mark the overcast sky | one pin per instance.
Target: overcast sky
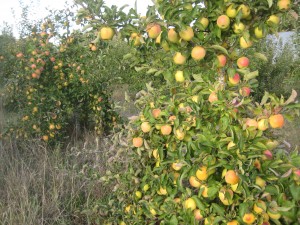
(10, 10)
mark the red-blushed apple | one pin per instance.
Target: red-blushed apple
(156, 113)
(243, 62)
(198, 53)
(223, 22)
(251, 123)
(221, 60)
(235, 79)
(245, 91)
(276, 121)
(153, 30)
(213, 97)
(268, 154)
(284, 4)
(166, 129)
(137, 142)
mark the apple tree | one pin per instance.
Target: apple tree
(201, 151)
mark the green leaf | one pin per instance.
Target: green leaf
(220, 48)
(295, 191)
(173, 220)
(251, 75)
(270, 2)
(218, 209)
(261, 56)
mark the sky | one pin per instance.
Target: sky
(10, 10)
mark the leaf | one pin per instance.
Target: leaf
(270, 2)
(292, 98)
(218, 209)
(198, 77)
(220, 48)
(152, 70)
(127, 97)
(265, 98)
(295, 191)
(261, 56)
(251, 75)
(287, 174)
(173, 220)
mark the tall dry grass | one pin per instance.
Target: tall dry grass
(50, 186)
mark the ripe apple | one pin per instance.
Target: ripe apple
(238, 28)
(197, 214)
(198, 53)
(162, 191)
(245, 10)
(179, 77)
(268, 154)
(153, 212)
(138, 194)
(106, 33)
(156, 113)
(93, 48)
(173, 36)
(166, 129)
(194, 182)
(205, 191)
(235, 79)
(273, 214)
(223, 22)
(243, 62)
(204, 22)
(137, 142)
(260, 207)
(201, 173)
(155, 153)
(276, 121)
(153, 30)
(177, 166)
(146, 127)
(245, 44)
(213, 97)
(249, 218)
(45, 138)
(283, 4)
(231, 177)
(231, 11)
(190, 204)
(180, 134)
(251, 123)
(187, 34)
(245, 91)
(232, 222)
(273, 19)
(221, 60)
(225, 196)
(263, 124)
(259, 33)
(179, 59)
